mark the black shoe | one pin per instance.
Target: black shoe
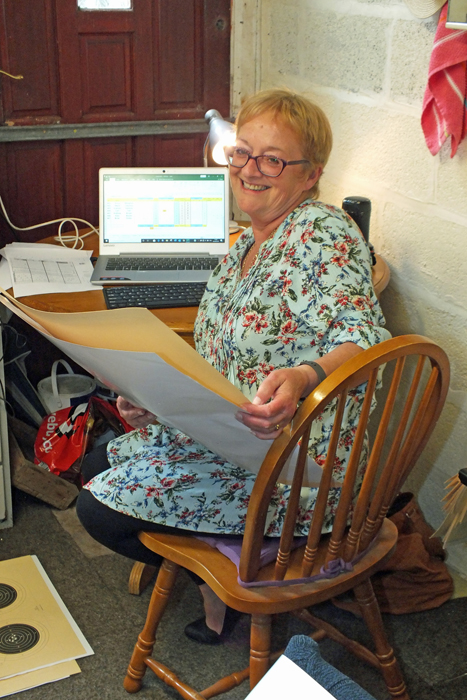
(198, 630)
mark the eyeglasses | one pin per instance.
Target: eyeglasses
(271, 166)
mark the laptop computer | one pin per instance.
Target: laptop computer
(161, 224)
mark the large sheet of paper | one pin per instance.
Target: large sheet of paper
(139, 357)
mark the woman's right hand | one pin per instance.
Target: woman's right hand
(134, 415)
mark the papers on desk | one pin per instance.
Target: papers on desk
(46, 268)
(5, 274)
(154, 368)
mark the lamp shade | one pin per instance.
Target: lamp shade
(221, 134)
(424, 8)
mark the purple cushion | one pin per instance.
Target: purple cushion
(232, 546)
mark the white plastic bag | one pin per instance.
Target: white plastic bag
(64, 390)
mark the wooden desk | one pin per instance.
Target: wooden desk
(180, 319)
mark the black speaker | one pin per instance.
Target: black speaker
(359, 208)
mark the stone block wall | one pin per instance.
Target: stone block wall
(366, 63)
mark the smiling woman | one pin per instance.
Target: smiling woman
(291, 302)
(268, 199)
(292, 130)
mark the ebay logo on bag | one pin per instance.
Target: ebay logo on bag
(61, 437)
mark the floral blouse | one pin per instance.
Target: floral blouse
(309, 290)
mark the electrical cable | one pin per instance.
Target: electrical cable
(3, 396)
(12, 337)
(15, 77)
(63, 239)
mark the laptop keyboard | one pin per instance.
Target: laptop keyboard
(159, 263)
(154, 296)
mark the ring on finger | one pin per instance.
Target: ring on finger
(277, 426)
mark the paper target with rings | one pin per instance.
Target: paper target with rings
(18, 638)
(8, 595)
(36, 629)
(12, 593)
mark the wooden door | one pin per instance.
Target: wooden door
(102, 88)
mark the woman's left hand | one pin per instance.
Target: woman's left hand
(277, 398)
(267, 418)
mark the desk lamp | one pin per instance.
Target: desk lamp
(221, 134)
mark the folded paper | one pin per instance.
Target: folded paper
(139, 357)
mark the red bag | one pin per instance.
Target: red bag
(65, 436)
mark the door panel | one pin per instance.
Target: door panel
(166, 60)
(29, 49)
(102, 153)
(38, 168)
(105, 58)
(178, 70)
(106, 75)
(75, 185)
(216, 56)
(192, 59)
(180, 150)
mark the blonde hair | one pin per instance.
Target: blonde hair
(305, 118)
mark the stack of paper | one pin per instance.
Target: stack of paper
(39, 640)
(33, 268)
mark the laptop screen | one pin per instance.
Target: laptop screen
(166, 208)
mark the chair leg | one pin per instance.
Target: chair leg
(260, 647)
(372, 616)
(145, 644)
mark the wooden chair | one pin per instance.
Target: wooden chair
(415, 383)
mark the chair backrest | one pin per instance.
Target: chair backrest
(415, 375)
